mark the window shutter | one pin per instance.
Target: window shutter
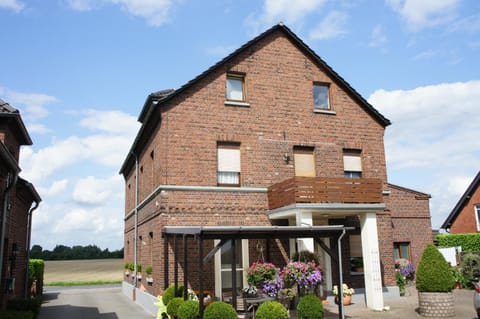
(352, 163)
(304, 164)
(228, 159)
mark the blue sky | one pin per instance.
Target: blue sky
(79, 72)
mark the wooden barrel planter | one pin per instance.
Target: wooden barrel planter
(436, 304)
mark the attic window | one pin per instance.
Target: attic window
(235, 90)
(321, 99)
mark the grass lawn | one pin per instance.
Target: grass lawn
(78, 272)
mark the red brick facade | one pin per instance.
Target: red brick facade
(16, 198)
(177, 148)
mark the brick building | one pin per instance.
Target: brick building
(465, 216)
(270, 135)
(16, 198)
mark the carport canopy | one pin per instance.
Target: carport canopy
(230, 233)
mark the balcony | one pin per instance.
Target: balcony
(325, 190)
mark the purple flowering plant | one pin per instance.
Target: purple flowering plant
(303, 274)
(405, 268)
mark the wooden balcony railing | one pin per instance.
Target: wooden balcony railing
(324, 190)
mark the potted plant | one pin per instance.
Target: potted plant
(260, 272)
(357, 263)
(139, 271)
(434, 284)
(126, 267)
(149, 271)
(458, 277)
(347, 294)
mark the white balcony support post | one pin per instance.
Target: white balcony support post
(305, 219)
(371, 261)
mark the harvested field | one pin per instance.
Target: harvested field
(83, 270)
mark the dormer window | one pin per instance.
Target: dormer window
(235, 87)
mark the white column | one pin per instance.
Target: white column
(305, 219)
(371, 261)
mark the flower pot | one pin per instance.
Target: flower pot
(436, 304)
(346, 300)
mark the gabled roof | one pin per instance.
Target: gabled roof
(462, 202)
(7, 111)
(157, 99)
(418, 195)
(33, 192)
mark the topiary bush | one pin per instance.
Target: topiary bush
(310, 307)
(219, 310)
(173, 305)
(433, 273)
(271, 310)
(169, 293)
(189, 310)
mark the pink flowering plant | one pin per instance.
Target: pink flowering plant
(260, 272)
(304, 274)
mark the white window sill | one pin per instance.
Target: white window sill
(237, 103)
(324, 111)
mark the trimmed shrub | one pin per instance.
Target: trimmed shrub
(434, 274)
(36, 269)
(219, 310)
(310, 307)
(173, 305)
(469, 242)
(169, 293)
(271, 310)
(190, 309)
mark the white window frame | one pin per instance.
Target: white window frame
(228, 164)
(476, 209)
(230, 93)
(218, 267)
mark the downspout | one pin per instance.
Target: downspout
(135, 282)
(27, 247)
(341, 307)
(5, 199)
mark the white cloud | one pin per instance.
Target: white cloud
(425, 13)
(114, 122)
(377, 38)
(155, 12)
(470, 24)
(108, 148)
(82, 5)
(14, 5)
(433, 136)
(55, 189)
(38, 128)
(32, 105)
(95, 191)
(332, 26)
(275, 11)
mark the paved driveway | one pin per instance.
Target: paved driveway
(89, 302)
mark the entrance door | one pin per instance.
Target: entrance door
(223, 268)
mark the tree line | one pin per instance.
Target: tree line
(62, 252)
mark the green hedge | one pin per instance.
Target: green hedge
(36, 270)
(469, 242)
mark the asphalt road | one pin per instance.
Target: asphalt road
(94, 302)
